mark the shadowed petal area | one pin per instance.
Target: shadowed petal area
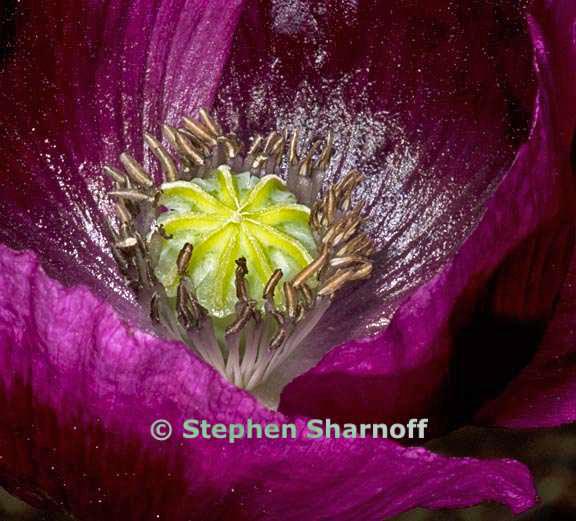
(404, 370)
(83, 388)
(544, 393)
(80, 84)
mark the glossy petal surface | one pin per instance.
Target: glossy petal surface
(84, 387)
(406, 369)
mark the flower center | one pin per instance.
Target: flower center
(229, 258)
(225, 217)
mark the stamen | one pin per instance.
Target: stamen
(135, 171)
(203, 249)
(165, 159)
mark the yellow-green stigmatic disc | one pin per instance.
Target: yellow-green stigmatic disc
(225, 217)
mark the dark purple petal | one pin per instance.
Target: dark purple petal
(429, 102)
(402, 371)
(81, 84)
(544, 393)
(80, 389)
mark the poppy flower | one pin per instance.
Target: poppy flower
(460, 118)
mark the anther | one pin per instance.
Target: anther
(132, 195)
(155, 308)
(187, 149)
(184, 257)
(293, 148)
(277, 340)
(210, 122)
(135, 171)
(271, 284)
(312, 268)
(241, 272)
(290, 298)
(127, 243)
(166, 161)
(203, 133)
(115, 174)
(242, 318)
(334, 283)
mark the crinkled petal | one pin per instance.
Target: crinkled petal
(82, 81)
(404, 370)
(81, 387)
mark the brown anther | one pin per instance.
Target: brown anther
(210, 122)
(241, 272)
(356, 246)
(362, 273)
(255, 146)
(155, 308)
(132, 195)
(291, 301)
(304, 167)
(300, 313)
(270, 141)
(277, 340)
(334, 230)
(115, 174)
(349, 181)
(189, 310)
(200, 131)
(293, 148)
(259, 161)
(326, 154)
(242, 318)
(187, 149)
(278, 146)
(271, 284)
(348, 230)
(122, 212)
(184, 257)
(162, 232)
(334, 283)
(312, 268)
(229, 147)
(330, 205)
(135, 171)
(346, 262)
(169, 134)
(127, 244)
(307, 295)
(165, 159)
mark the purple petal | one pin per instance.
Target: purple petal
(544, 393)
(81, 389)
(430, 103)
(81, 84)
(402, 371)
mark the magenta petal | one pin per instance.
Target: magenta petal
(81, 84)
(80, 389)
(401, 371)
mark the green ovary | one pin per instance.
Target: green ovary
(225, 217)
